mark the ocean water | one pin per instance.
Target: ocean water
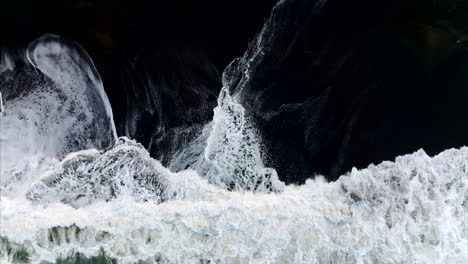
(413, 210)
(72, 192)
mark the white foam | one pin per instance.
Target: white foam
(409, 211)
(123, 205)
(228, 151)
(88, 176)
(54, 106)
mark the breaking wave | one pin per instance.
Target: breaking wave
(412, 210)
(72, 192)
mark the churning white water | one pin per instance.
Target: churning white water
(70, 195)
(54, 105)
(413, 210)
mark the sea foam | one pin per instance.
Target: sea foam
(412, 210)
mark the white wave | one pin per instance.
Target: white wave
(412, 210)
(121, 205)
(228, 151)
(88, 176)
(53, 104)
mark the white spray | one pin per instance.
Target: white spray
(51, 107)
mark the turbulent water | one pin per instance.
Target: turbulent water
(409, 211)
(72, 192)
(53, 104)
